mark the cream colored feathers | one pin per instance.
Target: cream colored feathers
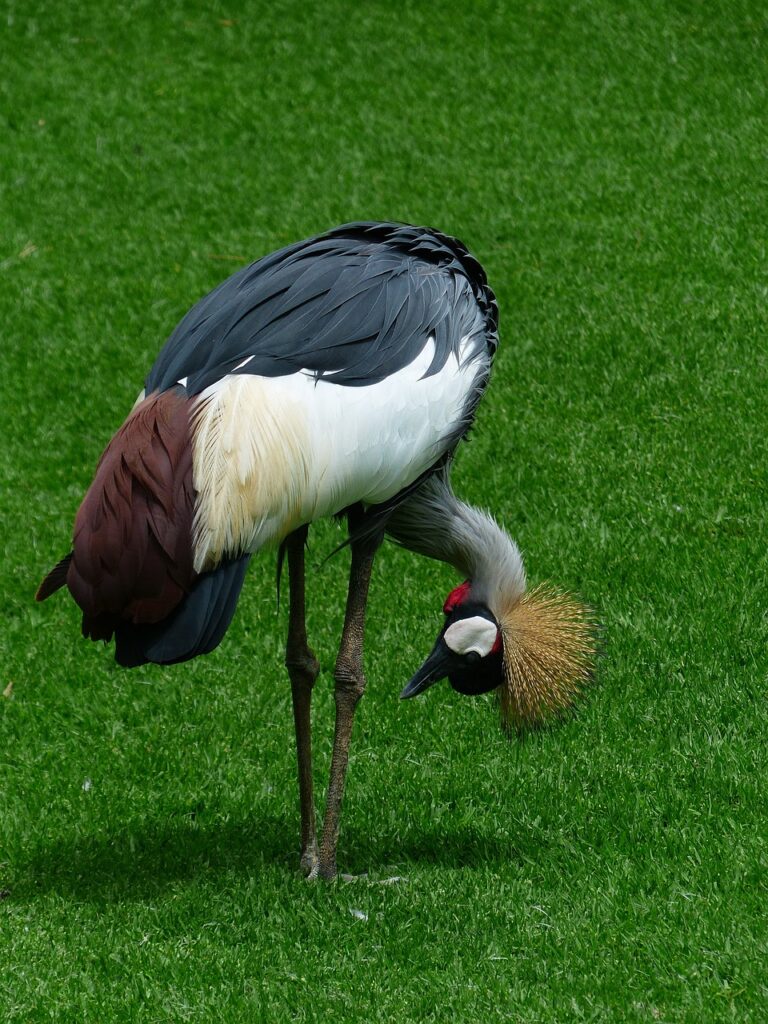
(250, 468)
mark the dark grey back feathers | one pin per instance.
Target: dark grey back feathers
(351, 307)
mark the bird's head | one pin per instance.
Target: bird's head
(537, 650)
(469, 649)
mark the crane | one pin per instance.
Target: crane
(333, 377)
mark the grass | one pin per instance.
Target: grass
(607, 164)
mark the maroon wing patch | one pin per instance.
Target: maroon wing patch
(132, 557)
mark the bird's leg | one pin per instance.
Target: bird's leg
(350, 685)
(302, 669)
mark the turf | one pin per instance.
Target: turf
(606, 162)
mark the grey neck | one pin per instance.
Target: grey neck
(434, 522)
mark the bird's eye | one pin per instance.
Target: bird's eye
(472, 657)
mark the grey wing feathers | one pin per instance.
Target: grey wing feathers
(351, 307)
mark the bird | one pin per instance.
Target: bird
(334, 377)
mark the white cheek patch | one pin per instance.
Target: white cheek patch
(475, 634)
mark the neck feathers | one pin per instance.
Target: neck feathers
(433, 522)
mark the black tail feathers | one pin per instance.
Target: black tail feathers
(196, 626)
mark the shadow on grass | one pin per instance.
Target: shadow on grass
(464, 846)
(140, 862)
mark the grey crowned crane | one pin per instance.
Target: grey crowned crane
(335, 376)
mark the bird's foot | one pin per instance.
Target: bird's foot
(309, 859)
(324, 872)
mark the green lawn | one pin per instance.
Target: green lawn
(607, 164)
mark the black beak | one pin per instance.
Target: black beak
(436, 667)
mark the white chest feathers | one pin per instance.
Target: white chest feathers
(474, 634)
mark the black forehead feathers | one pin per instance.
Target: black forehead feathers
(468, 610)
